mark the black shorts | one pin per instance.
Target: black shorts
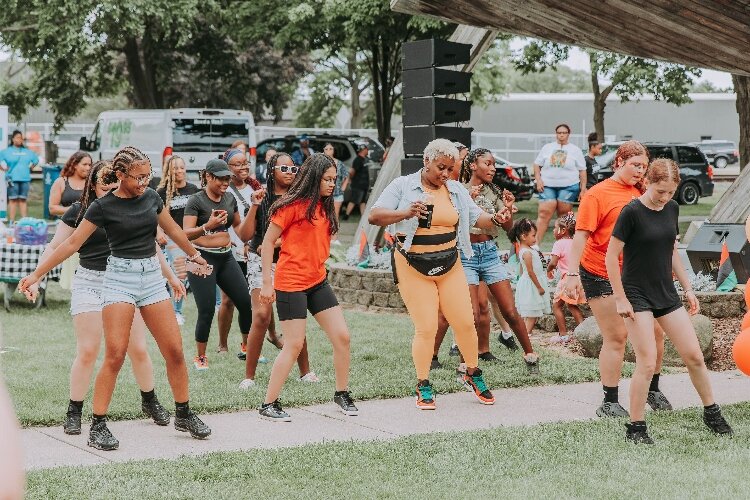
(243, 266)
(358, 196)
(641, 304)
(595, 286)
(294, 305)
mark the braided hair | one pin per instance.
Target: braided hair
(471, 158)
(306, 186)
(123, 161)
(99, 171)
(568, 224)
(520, 228)
(265, 204)
(167, 181)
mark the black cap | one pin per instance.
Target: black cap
(361, 147)
(218, 168)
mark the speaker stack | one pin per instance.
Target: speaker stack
(425, 110)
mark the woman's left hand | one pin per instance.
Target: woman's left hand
(258, 196)
(503, 215)
(474, 191)
(508, 199)
(694, 306)
(178, 287)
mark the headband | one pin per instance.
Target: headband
(231, 153)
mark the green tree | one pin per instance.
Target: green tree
(629, 77)
(160, 53)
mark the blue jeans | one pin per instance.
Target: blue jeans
(485, 265)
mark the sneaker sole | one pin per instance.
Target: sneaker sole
(195, 436)
(103, 448)
(349, 413)
(276, 419)
(72, 432)
(600, 413)
(201, 369)
(469, 388)
(425, 406)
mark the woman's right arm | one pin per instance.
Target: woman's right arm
(62, 233)
(267, 294)
(528, 261)
(572, 286)
(385, 210)
(55, 195)
(612, 260)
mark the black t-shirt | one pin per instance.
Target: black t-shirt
(261, 225)
(590, 164)
(201, 206)
(361, 179)
(130, 223)
(178, 201)
(649, 237)
(94, 252)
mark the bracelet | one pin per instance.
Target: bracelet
(571, 274)
(495, 222)
(689, 290)
(205, 231)
(192, 258)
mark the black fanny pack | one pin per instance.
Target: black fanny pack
(428, 263)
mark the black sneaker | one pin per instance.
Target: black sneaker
(155, 411)
(510, 342)
(611, 410)
(193, 425)
(72, 424)
(454, 352)
(346, 403)
(435, 364)
(488, 356)
(658, 401)
(715, 421)
(100, 437)
(637, 433)
(274, 412)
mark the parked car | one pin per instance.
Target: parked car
(513, 177)
(719, 153)
(696, 173)
(344, 149)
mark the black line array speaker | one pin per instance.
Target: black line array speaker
(433, 52)
(422, 80)
(434, 81)
(416, 138)
(704, 251)
(434, 110)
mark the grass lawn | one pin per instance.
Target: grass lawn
(566, 460)
(37, 374)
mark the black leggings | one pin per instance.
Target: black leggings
(228, 275)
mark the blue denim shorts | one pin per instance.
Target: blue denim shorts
(567, 194)
(19, 190)
(485, 265)
(134, 281)
(87, 291)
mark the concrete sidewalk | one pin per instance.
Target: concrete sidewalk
(47, 447)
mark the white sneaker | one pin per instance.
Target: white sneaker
(310, 377)
(246, 384)
(262, 359)
(180, 318)
(336, 242)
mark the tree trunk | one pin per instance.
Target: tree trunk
(143, 95)
(377, 89)
(355, 93)
(600, 99)
(742, 89)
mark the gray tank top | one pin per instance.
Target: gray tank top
(69, 195)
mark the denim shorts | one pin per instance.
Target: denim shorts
(134, 281)
(19, 190)
(86, 291)
(338, 198)
(567, 194)
(485, 265)
(594, 286)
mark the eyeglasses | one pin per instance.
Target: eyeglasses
(287, 168)
(142, 180)
(243, 165)
(562, 132)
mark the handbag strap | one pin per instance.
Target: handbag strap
(239, 195)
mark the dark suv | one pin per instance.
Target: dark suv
(344, 149)
(719, 153)
(515, 178)
(695, 172)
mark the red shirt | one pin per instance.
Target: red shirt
(305, 246)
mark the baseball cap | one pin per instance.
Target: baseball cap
(218, 168)
(361, 147)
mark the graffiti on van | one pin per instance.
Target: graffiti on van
(119, 132)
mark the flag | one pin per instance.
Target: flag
(726, 279)
(364, 247)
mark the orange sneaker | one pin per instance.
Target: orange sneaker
(242, 355)
(200, 363)
(425, 399)
(475, 384)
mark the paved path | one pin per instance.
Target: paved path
(378, 420)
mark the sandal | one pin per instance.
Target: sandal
(276, 341)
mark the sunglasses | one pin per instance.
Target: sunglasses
(287, 168)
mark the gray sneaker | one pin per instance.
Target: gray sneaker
(274, 412)
(658, 401)
(611, 410)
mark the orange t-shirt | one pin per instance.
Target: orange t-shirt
(597, 214)
(305, 246)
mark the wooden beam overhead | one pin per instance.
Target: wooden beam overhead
(711, 34)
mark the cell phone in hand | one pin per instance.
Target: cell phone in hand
(199, 269)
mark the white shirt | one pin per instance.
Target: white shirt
(238, 246)
(560, 164)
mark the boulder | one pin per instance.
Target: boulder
(590, 338)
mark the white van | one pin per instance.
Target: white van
(197, 135)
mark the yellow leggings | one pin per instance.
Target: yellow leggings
(423, 296)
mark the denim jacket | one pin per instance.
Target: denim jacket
(405, 190)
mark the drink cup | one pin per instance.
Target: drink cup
(429, 202)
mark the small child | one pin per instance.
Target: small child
(532, 297)
(565, 228)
